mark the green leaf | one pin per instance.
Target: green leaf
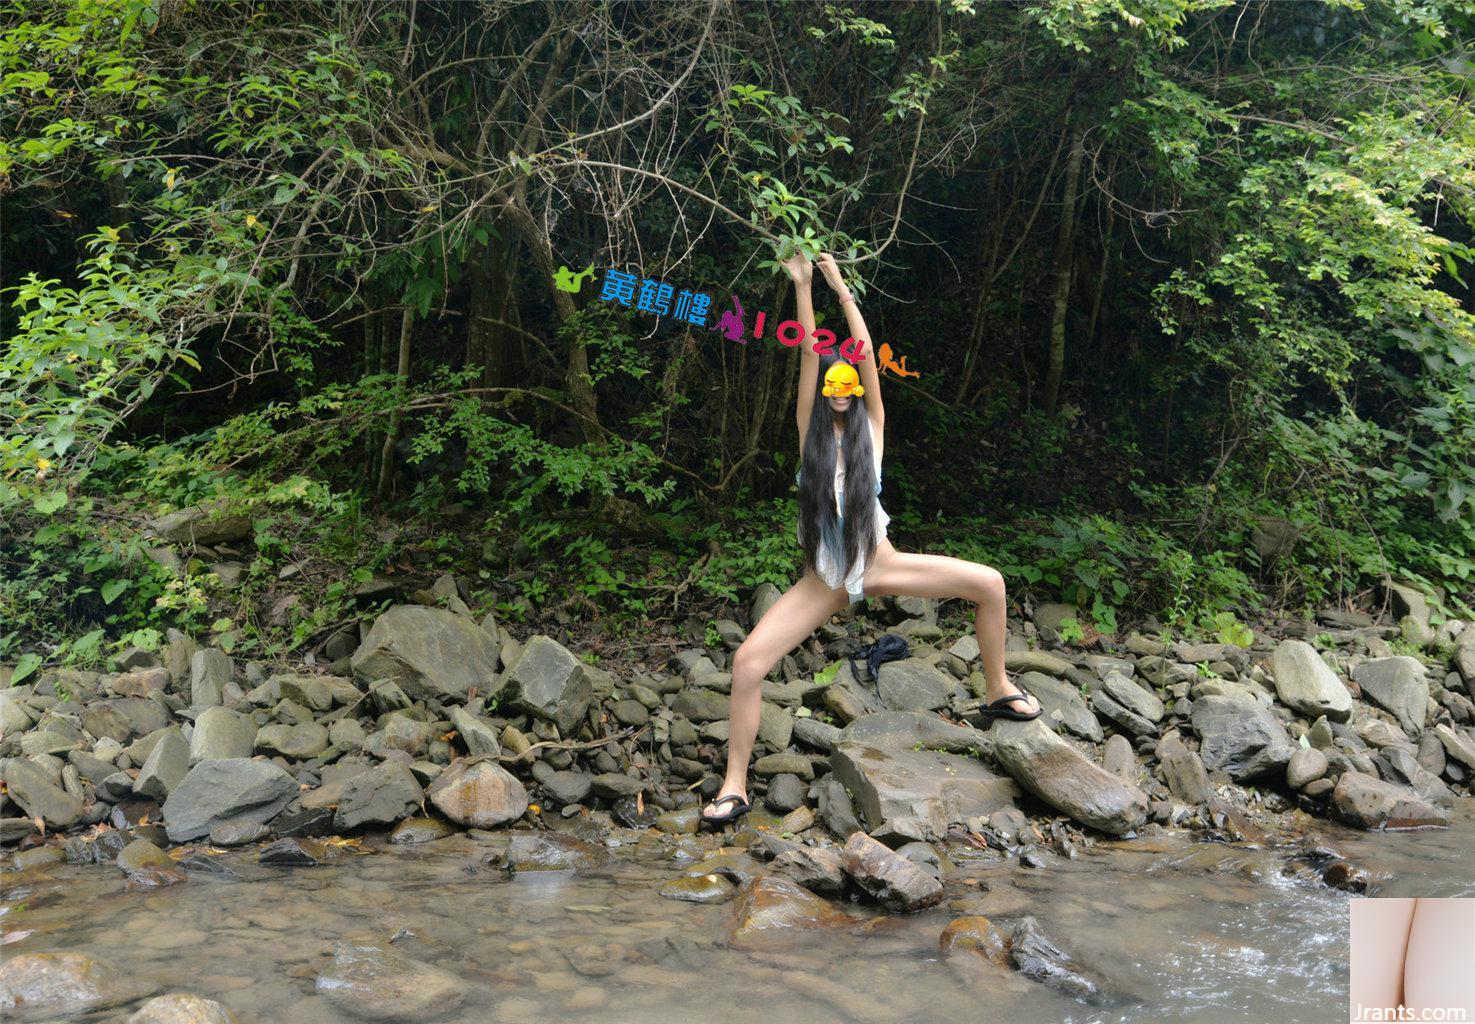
(24, 666)
(112, 588)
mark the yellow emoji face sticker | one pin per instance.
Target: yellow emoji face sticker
(841, 381)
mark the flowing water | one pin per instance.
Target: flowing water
(1206, 932)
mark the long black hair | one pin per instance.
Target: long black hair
(819, 519)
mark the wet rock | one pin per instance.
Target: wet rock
(372, 981)
(911, 684)
(1056, 772)
(294, 853)
(165, 768)
(709, 888)
(295, 742)
(238, 833)
(141, 854)
(548, 681)
(38, 795)
(1036, 956)
(771, 911)
(979, 934)
(420, 830)
(1397, 686)
(820, 869)
(1306, 765)
(892, 880)
(1305, 684)
(428, 653)
(221, 734)
(380, 796)
(478, 794)
(34, 986)
(1240, 736)
(1370, 803)
(681, 821)
(217, 791)
(551, 851)
(904, 794)
(182, 1008)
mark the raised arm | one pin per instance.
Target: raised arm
(802, 273)
(870, 378)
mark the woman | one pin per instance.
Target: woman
(842, 528)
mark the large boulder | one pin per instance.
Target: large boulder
(478, 794)
(232, 790)
(910, 728)
(1366, 802)
(36, 986)
(910, 684)
(1240, 736)
(1397, 686)
(429, 653)
(1306, 685)
(1055, 771)
(904, 794)
(549, 682)
(772, 912)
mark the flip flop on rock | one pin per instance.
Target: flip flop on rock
(997, 707)
(722, 819)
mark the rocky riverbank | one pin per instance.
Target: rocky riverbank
(433, 722)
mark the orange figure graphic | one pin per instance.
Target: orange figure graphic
(888, 363)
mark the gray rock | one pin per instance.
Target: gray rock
(478, 794)
(214, 792)
(165, 768)
(295, 742)
(35, 792)
(210, 669)
(910, 728)
(1122, 717)
(1118, 758)
(373, 981)
(892, 880)
(1061, 704)
(1459, 746)
(1137, 699)
(1059, 774)
(1306, 685)
(775, 725)
(785, 792)
(380, 796)
(1240, 736)
(1397, 686)
(814, 733)
(477, 733)
(614, 785)
(221, 734)
(428, 653)
(1369, 803)
(550, 683)
(551, 851)
(833, 806)
(569, 787)
(700, 704)
(202, 524)
(1186, 778)
(903, 794)
(910, 684)
(1306, 766)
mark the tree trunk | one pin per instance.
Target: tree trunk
(1064, 253)
(386, 455)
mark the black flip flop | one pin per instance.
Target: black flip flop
(996, 707)
(722, 819)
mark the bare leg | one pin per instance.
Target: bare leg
(1380, 930)
(1437, 979)
(917, 575)
(801, 610)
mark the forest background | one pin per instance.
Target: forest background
(1189, 285)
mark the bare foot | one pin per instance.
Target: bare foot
(1024, 707)
(711, 810)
